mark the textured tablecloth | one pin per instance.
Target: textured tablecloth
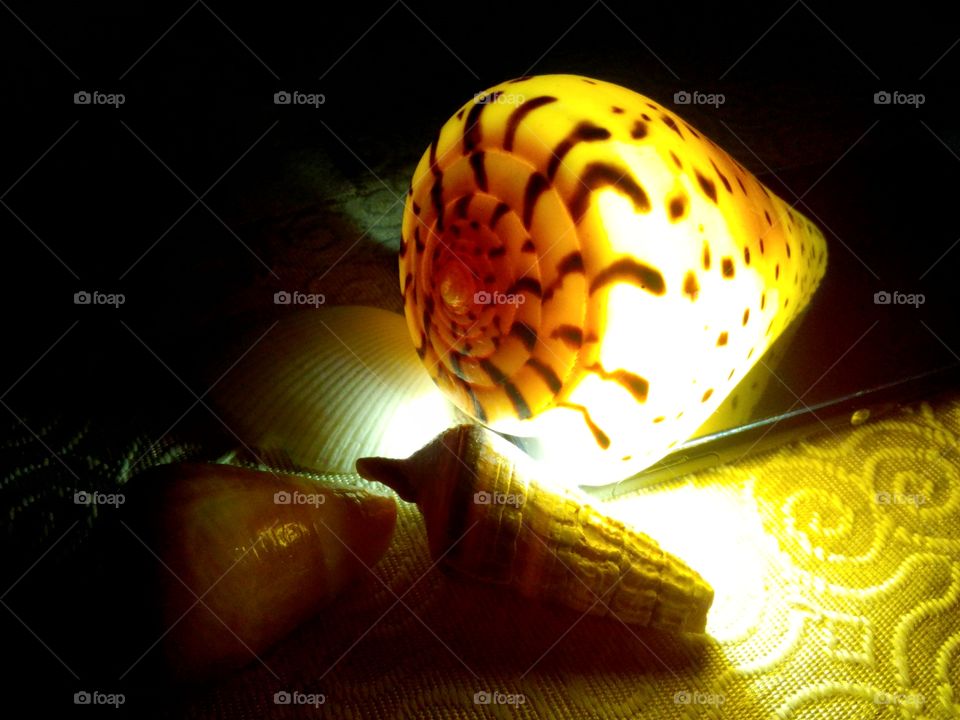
(838, 595)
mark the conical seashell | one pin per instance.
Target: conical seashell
(329, 385)
(261, 551)
(488, 519)
(580, 265)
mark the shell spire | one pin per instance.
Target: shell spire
(489, 519)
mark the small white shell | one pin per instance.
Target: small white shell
(327, 386)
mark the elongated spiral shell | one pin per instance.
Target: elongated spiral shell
(581, 265)
(489, 520)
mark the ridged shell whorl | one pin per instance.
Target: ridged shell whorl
(488, 519)
(581, 265)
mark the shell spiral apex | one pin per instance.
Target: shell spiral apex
(488, 519)
(581, 265)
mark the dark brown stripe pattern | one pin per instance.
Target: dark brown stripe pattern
(599, 435)
(584, 132)
(472, 130)
(635, 385)
(496, 375)
(518, 115)
(547, 374)
(536, 186)
(597, 175)
(631, 271)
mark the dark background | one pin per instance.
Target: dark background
(201, 95)
(292, 188)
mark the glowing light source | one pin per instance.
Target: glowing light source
(718, 531)
(415, 422)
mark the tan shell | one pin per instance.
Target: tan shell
(489, 520)
(262, 551)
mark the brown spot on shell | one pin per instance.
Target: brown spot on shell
(677, 207)
(706, 184)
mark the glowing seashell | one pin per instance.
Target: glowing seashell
(580, 265)
(330, 385)
(488, 519)
(246, 556)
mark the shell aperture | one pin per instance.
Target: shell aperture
(581, 265)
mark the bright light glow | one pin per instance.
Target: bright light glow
(415, 422)
(718, 532)
(670, 341)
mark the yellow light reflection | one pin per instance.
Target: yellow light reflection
(689, 350)
(415, 422)
(718, 532)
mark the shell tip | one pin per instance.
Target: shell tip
(389, 472)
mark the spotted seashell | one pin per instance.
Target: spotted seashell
(580, 265)
(488, 519)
